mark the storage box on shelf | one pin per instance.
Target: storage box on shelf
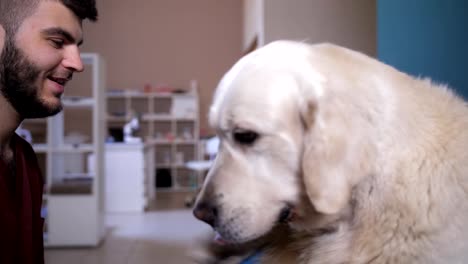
(170, 122)
(69, 147)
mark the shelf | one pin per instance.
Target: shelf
(76, 101)
(172, 165)
(174, 189)
(168, 121)
(166, 117)
(160, 141)
(35, 121)
(112, 118)
(170, 142)
(186, 142)
(164, 189)
(135, 94)
(157, 117)
(184, 119)
(40, 148)
(78, 176)
(163, 165)
(200, 166)
(81, 148)
(179, 165)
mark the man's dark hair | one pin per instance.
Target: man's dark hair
(83, 9)
(13, 12)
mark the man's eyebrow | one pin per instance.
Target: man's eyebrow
(63, 33)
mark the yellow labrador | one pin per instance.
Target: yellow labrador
(364, 163)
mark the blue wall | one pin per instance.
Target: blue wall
(426, 38)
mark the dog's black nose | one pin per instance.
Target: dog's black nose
(206, 212)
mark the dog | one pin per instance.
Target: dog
(344, 158)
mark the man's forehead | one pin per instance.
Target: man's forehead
(53, 14)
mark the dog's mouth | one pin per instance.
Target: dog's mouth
(287, 214)
(218, 239)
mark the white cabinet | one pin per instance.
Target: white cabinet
(129, 181)
(70, 150)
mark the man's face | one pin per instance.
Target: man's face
(39, 60)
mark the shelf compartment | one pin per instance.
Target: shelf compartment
(77, 126)
(37, 128)
(139, 105)
(163, 154)
(184, 153)
(80, 187)
(185, 130)
(117, 107)
(143, 130)
(162, 130)
(72, 173)
(81, 85)
(186, 178)
(162, 105)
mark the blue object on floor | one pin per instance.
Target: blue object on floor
(252, 259)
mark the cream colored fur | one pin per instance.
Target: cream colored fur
(374, 162)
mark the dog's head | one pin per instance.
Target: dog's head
(284, 136)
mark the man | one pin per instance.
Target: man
(39, 52)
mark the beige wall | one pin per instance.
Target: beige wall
(351, 23)
(167, 41)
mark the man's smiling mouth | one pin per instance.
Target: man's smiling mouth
(61, 81)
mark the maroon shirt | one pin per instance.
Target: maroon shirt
(21, 225)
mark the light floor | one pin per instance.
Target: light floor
(159, 236)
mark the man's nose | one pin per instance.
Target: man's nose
(72, 59)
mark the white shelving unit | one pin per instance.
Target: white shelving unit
(70, 149)
(170, 122)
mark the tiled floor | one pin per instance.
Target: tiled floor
(160, 236)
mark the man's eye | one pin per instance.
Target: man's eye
(245, 137)
(58, 43)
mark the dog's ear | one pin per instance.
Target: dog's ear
(339, 138)
(333, 159)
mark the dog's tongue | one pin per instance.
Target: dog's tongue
(218, 239)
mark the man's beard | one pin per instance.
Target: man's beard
(18, 83)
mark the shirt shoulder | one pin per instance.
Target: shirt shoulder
(24, 146)
(26, 158)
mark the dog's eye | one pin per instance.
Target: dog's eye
(245, 137)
